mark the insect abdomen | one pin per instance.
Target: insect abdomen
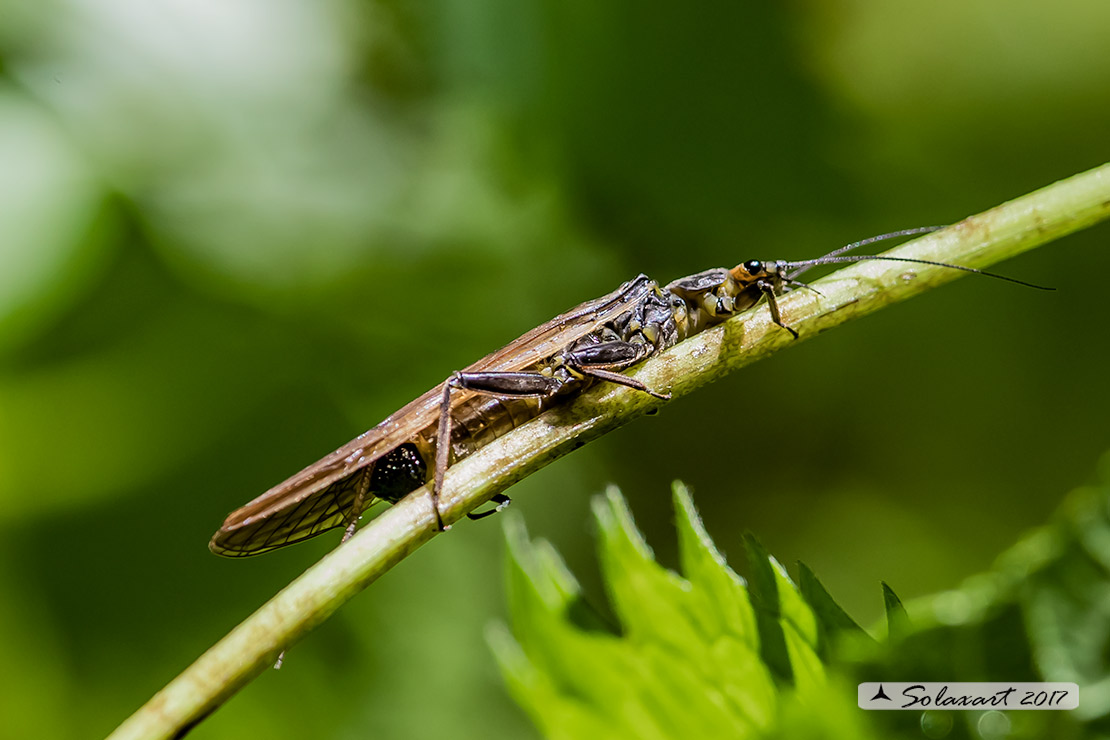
(398, 473)
(482, 419)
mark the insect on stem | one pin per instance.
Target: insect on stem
(594, 342)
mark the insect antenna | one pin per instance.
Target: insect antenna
(837, 257)
(916, 231)
(806, 264)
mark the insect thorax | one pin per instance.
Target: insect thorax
(706, 298)
(651, 322)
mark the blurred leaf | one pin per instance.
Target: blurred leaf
(34, 665)
(101, 423)
(1041, 614)
(50, 199)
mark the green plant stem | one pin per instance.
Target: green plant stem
(254, 645)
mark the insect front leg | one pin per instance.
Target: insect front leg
(768, 289)
(506, 385)
(601, 361)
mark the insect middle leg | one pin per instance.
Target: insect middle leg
(601, 361)
(362, 487)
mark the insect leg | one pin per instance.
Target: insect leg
(612, 377)
(768, 289)
(498, 498)
(597, 360)
(510, 385)
(361, 488)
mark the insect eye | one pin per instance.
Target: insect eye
(753, 266)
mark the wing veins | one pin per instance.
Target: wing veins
(272, 511)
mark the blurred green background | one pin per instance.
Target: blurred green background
(233, 235)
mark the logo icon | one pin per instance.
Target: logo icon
(880, 694)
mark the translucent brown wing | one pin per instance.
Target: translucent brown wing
(329, 507)
(320, 497)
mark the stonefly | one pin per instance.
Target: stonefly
(591, 343)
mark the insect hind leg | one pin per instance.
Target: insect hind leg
(498, 498)
(504, 384)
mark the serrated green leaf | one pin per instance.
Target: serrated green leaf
(897, 620)
(768, 612)
(688, 661)
(659, 608)
(833, 623)
(698, 651)
(570, 680)
(725, 608)
(650, 601)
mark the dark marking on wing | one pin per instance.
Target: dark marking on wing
(398, 473)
